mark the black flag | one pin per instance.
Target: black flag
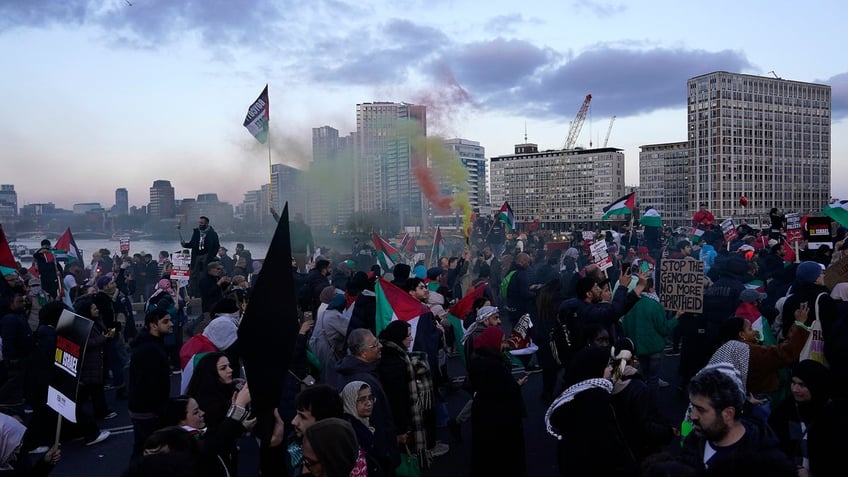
(269, 327)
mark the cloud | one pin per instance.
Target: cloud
(37, 13)
(496, 65)
(507, 23)
(623, 82)
(600, 9)
(838, 95)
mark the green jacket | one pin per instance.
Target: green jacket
(647, 326)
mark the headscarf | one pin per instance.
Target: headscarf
(164, 286)
(396, 331)
(349, 394)
(334, 443)
(492, 337)
(817, 379)
(586, 371)
(11, 436)
(737, 354)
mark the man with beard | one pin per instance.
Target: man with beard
(204, 247)
(588, 308)
(720, 433)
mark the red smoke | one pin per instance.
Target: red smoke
(431, 189)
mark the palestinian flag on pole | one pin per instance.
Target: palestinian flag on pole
(395, 304)
(458, 312)
(622, 206)
(439, 248)
(407, 244)
(387, 255)
(838, 211)
(7, 260)
(67, 248)
(506, 216)
(651, 218)
(258, 116)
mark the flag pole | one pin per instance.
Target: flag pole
(270, 167)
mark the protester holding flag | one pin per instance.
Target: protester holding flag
(652, 222)
(48, 270)
(703, 218)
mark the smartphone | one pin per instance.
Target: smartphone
(644, 266)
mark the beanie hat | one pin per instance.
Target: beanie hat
(222, 332)
(419, 271)
(103, 281)
(816, 377)
(327, 294)
(491, 337)
(808, 271)
(334, 443)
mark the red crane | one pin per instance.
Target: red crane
(577, 124)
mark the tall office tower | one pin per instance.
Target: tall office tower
(162, 204)
(767, 139)
(330, 178)
(8, 201)
(664, 181)
(385, 160)
(289, 184)
(473, 158)
(122, 202)
(561, 188)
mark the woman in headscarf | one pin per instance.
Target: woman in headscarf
(583, 421)
(163, 296)
(11, 462)
(801, 422)
(408, 385)
(358, 401)
(642, 427)
(497, 430)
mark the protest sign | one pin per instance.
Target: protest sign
(728, 230)
(71, 341)
(600, 255)
(836, 273)
(794, 232)
(818, 232)
(125, 244)
(181, 264)
(682, 285)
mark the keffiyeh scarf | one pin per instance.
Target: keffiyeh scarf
(568, 396)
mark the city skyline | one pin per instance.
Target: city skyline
(108, 95)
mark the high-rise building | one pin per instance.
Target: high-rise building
(288, 184)
(330, 178)
(385, 160)
(561, 188)
(122, 202)
(767, 139)
(664, 181)
(473, 158)
(162, 204)
(8, 201)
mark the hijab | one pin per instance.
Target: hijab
(349, 394)
(11, 436)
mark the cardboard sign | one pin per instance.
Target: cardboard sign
(71, 341)
(682, 285)
(836, 273)
(181, 264)
(125, 244)
(729, 230)
(818, 232)
(794, 232)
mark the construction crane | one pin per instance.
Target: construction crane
(577, 124)
(609, 130)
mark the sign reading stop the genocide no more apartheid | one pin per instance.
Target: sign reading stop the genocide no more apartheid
(682, 285)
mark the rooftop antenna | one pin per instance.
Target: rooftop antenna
(525, 132)
(774, 74)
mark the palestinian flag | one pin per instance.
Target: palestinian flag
(506, 216)
(407, 244)
(622, 206)
(395, 304)
(258, 116)
(67, 248)
(457, 314)
(651, 218)
(838, 211)
(439, 248)
(387, 255)
(7, 260)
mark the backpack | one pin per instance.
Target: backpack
(561, 339)
(505, 283)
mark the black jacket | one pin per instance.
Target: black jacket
(211, 244)
(150, 375)
(758, 439)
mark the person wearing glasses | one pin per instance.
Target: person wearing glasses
(358, 406)
(329, 449)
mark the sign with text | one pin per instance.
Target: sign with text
(794, 232)
(125, 244)
(729, 230)
(818, 232)
(181, 264)
(836, 273)
(600, 255)
(71, 340)
(682, 285)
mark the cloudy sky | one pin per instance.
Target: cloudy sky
(100, 94)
